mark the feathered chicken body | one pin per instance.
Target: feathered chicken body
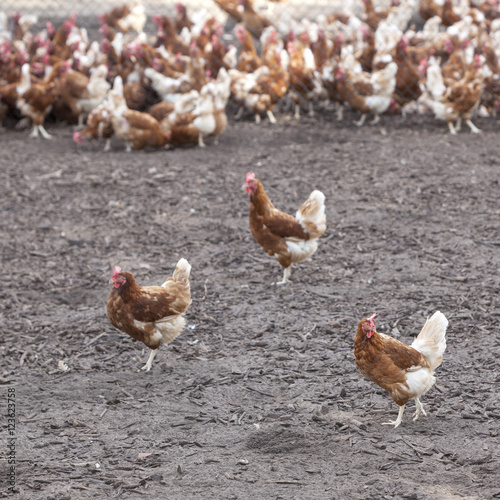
(35, 100)
(406, 372)
(454, 100)
(99, 126)
(373, 97)
(289, 239)
(138, 129)
(151, 314)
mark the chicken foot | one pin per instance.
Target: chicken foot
(152, 355)
(286, 275)
(239, 113)
(419, 410)
(271, 117)
(297, 111)
(398, 421)
(472, 127)
(452, 128)
(311, 109)
(40, 129)
(361, 121)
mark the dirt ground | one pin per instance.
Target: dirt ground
(260, 396)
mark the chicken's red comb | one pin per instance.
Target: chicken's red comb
(372, 316)
(250, 176)
(117, 270)
(78, 138)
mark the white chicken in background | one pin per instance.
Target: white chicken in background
(454, 100)
(387, 37)
(169, 89)
(368, 93)
(192, 120)
(98, 88)
(135, 20)
(219, 90)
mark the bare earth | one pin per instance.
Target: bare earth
(260, 397)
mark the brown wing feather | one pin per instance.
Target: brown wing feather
(284, 225)
(141, 120)
(403, 356)
(184, 134)
(75, 85)
(153, 305)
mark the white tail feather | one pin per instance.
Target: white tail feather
(431, 341)
(311, 214)
(182, 271)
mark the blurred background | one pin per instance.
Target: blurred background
(63, 8)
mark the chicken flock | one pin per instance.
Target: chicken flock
(172, 88)
(153, 315)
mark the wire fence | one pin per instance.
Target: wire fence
(288, 56)
(63, 8)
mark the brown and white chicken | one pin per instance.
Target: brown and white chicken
(35, 100)
(287, 238)
(368, 93)
(99, 126)
(154, 315)
(406, 372)
(454, 101)
(79, 94)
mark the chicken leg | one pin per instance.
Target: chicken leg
(361, 121)
(271, 117)
(152, 355)
(472, 127)
(452, 128)
(286, 275)
(41, 129)
(396, 422)
(419, 410)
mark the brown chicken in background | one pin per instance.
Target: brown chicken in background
(168, 37)
(242, 11)
(407, 76)
(136, 129)
(253, 21)
(126, 17)
(79, 94)
(248, 60)
(406, 372)
(181, 20)
(35, 100)
(431, 8)
(287, 238)
(151, 314)
(304, 80)
(368, 93)
(114, 16)
(371, 16)
(452, 100)
(139, 130)
(231, 8)
(99, 126)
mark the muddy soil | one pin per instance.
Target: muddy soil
(260, 396)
